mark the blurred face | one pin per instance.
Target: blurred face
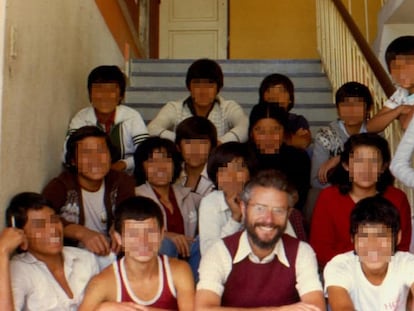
(105, 97)
(195, 151)
(232, 177)
(267, 134)
(266, 216)
(374, 245)
(44, 232)
(93, 159)
(203, 92)
(141, 239)
(402, 71)
(159, 168)
(278, 94)
(352, 111)
(365, 165)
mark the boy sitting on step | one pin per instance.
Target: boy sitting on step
(375, 276)
(196, 137)
(124, 125)
(86, 193)
(353, 101)
(278, 88)
(204, 80)
(399, 57)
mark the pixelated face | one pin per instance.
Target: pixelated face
(203, 92)
(93, 159)
(105, 97)
(352, 111)
(232, 177)
(365, 165)
(374, 245)
(402, 71)
(268, 134)
(159, 168)
(44, 232)
(195, 151)
(278, 94)
(141, 239)
(266, 216)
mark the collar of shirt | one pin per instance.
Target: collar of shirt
(68, 257)
(363, 128)
(223, 204)
(184, 175)
(245, 250)
(109, 123)
(189, 103)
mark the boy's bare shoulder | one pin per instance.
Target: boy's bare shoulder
(179, 268)
(105, 278)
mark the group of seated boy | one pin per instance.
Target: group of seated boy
(207, 208)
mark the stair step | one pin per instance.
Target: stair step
(155, 82)
(230, 80)
(250, 96)
(230, 66)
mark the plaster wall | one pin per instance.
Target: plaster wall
(49, 48)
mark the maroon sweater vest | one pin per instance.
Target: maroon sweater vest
(252, 285)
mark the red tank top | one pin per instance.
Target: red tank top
(165, 298)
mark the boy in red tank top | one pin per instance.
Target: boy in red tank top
(142, 279)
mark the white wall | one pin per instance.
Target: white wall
(50, 47)
(395, 19)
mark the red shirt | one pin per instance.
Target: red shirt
(175, 221)
(329, 235)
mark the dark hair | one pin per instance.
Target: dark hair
(107, 74)
(205, 69)
(403, 45)
(144, 152)
(276, 79)
(264, 110)
(354, 89)
(137, 208)
(21, 203)
(340, 176)
(78, 135)
(224, 154)
(269, 178)
(196, 127)
(375, 210)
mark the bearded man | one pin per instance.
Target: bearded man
(261, 267)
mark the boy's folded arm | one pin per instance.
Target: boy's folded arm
(386, 115)
(382, 119)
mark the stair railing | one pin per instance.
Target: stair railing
(346, 56)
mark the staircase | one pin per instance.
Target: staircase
(154, 82)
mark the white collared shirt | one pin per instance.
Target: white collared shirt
(215, 221)
(216, 265)
(35, 288)
(244, 250)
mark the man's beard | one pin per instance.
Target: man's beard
(250, 228)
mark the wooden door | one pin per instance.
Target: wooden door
(191, 29)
